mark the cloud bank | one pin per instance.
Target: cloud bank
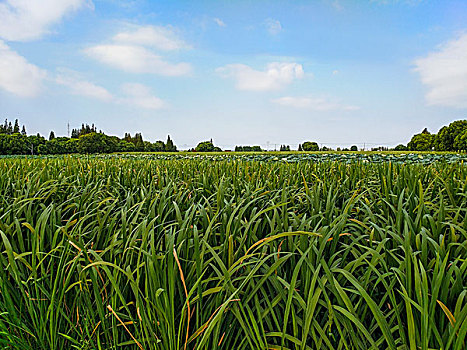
(158, 37)
(131, 51)
(17, 75)
(444, 72)
(140, 95)
(24, 20)
(136, 59)
(313, 103)
(81, 87)
(276, 76)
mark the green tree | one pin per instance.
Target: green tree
(51, 136)
(159, 146)
(206, 146)
(354, 148)
(23, 131)
(16, 127)
(401, 148)
(138, 141)
(4, 128)
(445, 138)
(96, 143)
(71, 145)
(309, 146)
(248, 149)
(169, 145)
(125, 146)
(421, 142)
(13, 144)
(34, 142)
(460, 142)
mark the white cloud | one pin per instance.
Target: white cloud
(140, 95)
(23, 20)
(220, 22)
(276, 76)
(17, 75)
(444, 72)
(162, 38)
(130, 51)
(133, 94)
(273, 26)
(136, 59)
(79, 86)
(313, 103)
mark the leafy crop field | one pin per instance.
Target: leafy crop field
(186, 253)
(289, 157)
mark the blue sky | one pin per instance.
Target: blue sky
(240, 72)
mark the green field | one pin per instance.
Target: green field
(147, 252)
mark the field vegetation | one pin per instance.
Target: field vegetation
(117, 253)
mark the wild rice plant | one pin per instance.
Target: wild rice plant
(194, 254)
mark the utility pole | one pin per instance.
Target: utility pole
(68, 128)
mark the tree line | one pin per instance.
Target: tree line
(87, 139)
(84, 140)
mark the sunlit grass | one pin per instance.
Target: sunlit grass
(192, 254)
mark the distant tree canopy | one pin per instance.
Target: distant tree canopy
(421, 142)
(14, 140)
(380, 148)
(85, 129)
(248, 149)
(448, 138)
(9, 129)
(84, 140)
(310, 146)
(401, 148)
(169, 145)
(207, 146)
(460, 142)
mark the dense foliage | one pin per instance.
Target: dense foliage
(310, 146)
(109, 253)
(449, 138)
(248, 149)
(84, 140)
(88, 140)
(207, 146)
